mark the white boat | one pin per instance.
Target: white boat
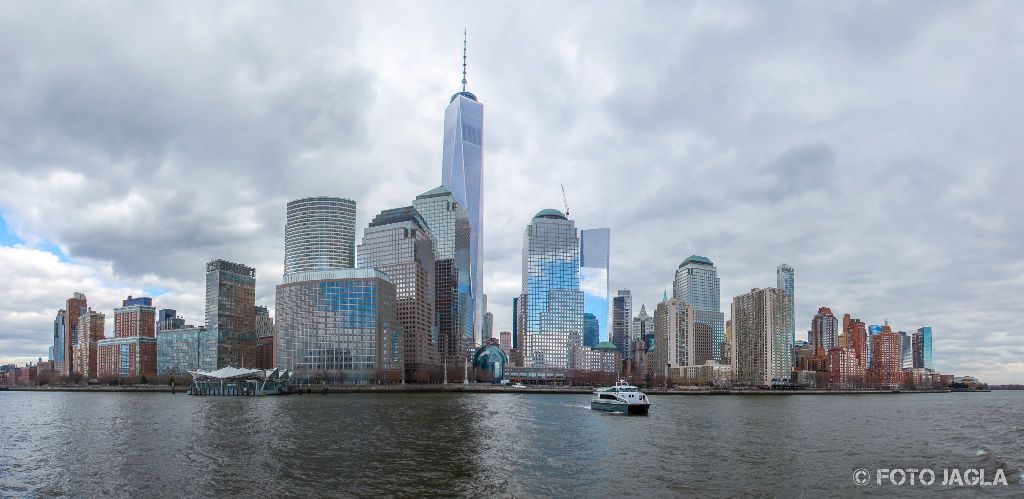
(622, 397)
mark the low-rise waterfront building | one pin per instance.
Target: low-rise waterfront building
(186, 349)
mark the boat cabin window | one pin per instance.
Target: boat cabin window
(607, 397)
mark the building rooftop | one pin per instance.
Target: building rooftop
(468, 95)
(695, 259)
(606, 346)
(550, 213)
(436, 192)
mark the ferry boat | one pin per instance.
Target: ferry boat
(622, 397)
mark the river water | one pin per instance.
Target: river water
(463, 444)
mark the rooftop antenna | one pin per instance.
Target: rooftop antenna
(564, 201)
(463, 59)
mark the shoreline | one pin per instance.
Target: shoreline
(459, 388)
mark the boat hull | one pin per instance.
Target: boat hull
(638, 409)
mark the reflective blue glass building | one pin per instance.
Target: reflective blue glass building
(594, 250)
(922, 341)
(462, 174)
(551, 302)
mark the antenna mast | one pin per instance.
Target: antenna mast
(564, 201)
(463, 59)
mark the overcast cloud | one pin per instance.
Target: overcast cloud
(874, 147)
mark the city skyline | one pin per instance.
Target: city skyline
(150, 226)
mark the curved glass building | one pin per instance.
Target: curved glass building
(319, 234)
(489, 362)
(338, 326)
(697, 283)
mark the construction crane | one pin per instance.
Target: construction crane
(564, 201)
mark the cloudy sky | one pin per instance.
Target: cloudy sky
(874, 146)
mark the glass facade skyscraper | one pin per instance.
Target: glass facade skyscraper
(591, 328)
(185, 349)
(594, 260)
(319, 234)
(551, 299)
(462, 173)
(399, 243)
(338, 326)
(59, 337)
(622, 319)
(784, 281)
(449, 225)
(922, 344)
(697, 283)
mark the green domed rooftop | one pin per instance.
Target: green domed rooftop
(606, 346)
(550, 213)
(699, 260)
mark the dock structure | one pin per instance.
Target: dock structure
(240, 381)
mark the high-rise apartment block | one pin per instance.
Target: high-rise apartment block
(762, 342)
(696, 282)
(90, 330)
(824, 331)
(551, 301)
(885, 358)
(674, 336)
(132, 351)
(57, 349)
(784, 280)
(856, 334)
(75, 307)
(231, 311)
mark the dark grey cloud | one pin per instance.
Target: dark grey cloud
(874, 146)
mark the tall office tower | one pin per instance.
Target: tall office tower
(339, 326)
(674, 336)
(399, 243)
(488, 331)
(922, 345)
(591, 328)
(594, 260)
(784, 281)
(319, 234)
(462, 173)
(551, 296)
(824, 331)
(906, 351)
(135, 317)
(885, 358)
(132, 350)
(90, 331)
(856, 338)
(642, 328)
(449, 224)
(75, 307)
(697, 283)
(505, 340)
(762, 342)
(167, 319)
(515, 322)
(231, 312)
(59, 335)
(622, 318)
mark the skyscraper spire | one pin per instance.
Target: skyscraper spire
(463, 59)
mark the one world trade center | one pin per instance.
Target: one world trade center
(462, 173)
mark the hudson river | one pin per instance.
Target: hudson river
(469, 444)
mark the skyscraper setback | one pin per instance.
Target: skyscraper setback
(462, 173)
